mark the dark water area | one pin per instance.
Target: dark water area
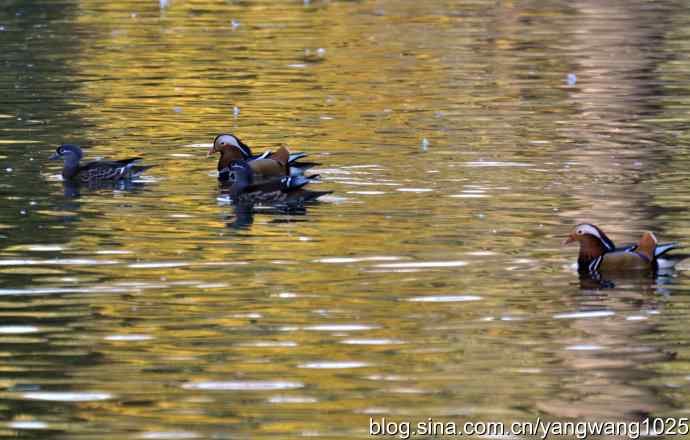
(462, 140)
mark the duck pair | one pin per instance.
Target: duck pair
(267, 166)
(271, 177)
(598, 254)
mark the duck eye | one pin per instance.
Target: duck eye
(580, 232)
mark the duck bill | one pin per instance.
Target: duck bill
(569, 239)
(54, 156)
(211, 151)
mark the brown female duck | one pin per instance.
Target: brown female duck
(97, 170)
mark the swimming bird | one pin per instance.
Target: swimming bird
(598, 253)
(97, 170)
(265, 166)
(263, 169)
(285, 191)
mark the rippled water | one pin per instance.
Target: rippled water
(462, 141)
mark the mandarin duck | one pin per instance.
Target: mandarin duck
(266, 166)
(598, 253)
(97, 170)
(284, 191)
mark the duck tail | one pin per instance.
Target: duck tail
(129, 160)
(297, 168)
(292, 157)
(136, 170)
(663, 248)
(312, 196)
(647, 245)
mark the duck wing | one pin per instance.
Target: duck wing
(661, 248)
(110, 169)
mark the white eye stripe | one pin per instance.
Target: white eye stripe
(227, 140)
(588, 229)
(233, 142)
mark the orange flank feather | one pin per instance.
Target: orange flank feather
(647, 245)
(281, 155)
(268, 168)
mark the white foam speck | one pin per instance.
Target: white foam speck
(169, 435)
(487, 163)
(257, 385)
(292, 399)
(367, 193)
(57, 262)
(372, 341)
(340, 260)
(18, 329)
(422, 264)
(270, 344)
(468, 196)
(584, 347)
(154, 265)
(132, 337)
(636, 318)
(333, 365)
(68, 396)
(581, 315)
(339, 327)
(414, 190)
(449, 298)
(27, 424)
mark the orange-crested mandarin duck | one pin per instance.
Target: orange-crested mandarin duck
(598, 253)
(268, 165)
(97, 170)
(287, 191)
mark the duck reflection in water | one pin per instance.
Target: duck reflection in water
(243, 217)
(606, 357)
(644, 282)
(73, 189)
(243, 214)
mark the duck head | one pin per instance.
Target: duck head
(230, 148)
(593, 242)
(67, 152)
